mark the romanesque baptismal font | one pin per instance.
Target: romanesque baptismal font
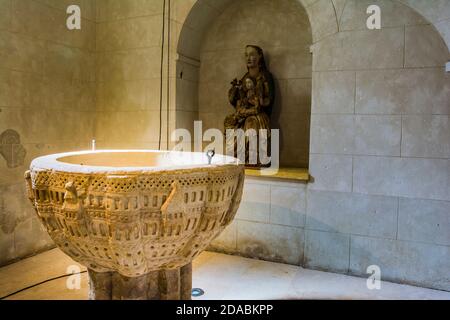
(135, 219)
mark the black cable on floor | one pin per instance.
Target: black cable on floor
(38, 284)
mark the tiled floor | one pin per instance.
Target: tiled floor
(220, 276)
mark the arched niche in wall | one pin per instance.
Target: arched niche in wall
(208, 60)
(330, 22)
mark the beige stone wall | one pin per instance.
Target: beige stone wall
(283, 30)
(128, 51)
(47, 95)
(379, 152)
(128, 61)
(380, 147)
(379, 128)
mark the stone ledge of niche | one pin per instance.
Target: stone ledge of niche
(300, 175)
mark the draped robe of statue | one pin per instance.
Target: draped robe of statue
(252, 98)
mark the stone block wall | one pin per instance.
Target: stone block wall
(270, 223)
(128, 55)
(380, 161)
(60, 89)
(47, 99)
(380, 151)
(129, 44)
(379, 146)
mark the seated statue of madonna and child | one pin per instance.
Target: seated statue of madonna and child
(252, 98)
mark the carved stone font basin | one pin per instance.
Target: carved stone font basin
(135, 219)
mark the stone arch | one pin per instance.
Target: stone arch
(324, 16)
(438, 15)
(323, 12)
(396, 13)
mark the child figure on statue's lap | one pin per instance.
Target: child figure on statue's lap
(248, 104)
